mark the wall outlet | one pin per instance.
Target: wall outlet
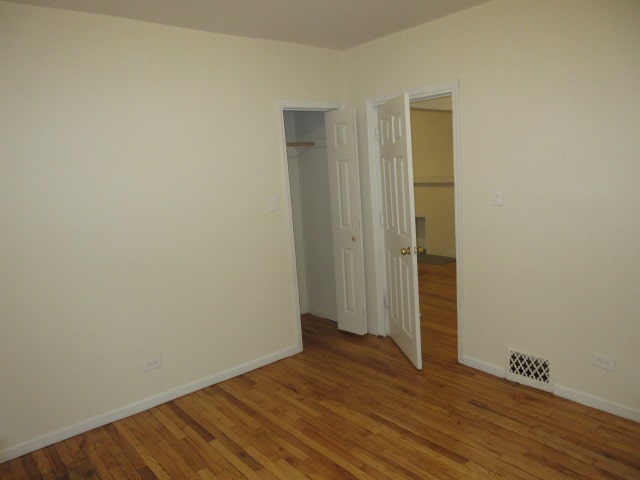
(154, 362)
(602, 361)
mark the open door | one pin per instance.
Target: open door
(396, 168)
(344, 185)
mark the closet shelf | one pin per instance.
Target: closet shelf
(318, 143)
(433, 181)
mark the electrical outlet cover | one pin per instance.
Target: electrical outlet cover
(603, 361)
(154, 362)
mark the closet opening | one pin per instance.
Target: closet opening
(310, 202)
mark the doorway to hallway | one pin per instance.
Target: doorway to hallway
(434, 199)
(391, 182)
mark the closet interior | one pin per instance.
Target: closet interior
(311, 211)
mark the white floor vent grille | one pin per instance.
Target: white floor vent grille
(529, 370)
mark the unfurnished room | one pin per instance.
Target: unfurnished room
(355, 239)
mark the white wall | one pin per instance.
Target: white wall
(549, 110)
(135, 166)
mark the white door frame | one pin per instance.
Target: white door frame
(423, 92)
(300, 106)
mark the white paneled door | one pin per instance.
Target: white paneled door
(399, 226)
(344, 185)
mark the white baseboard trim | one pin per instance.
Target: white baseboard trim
(597, 402)
(145, 404)
(373, 330)
(323, 314)
(484, 366)
(564, 392)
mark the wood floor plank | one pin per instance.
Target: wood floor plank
(154, 463)
(31, 467)
(58, 466)
(17, 469)
(79, 465)
(247, 471)
(159, 443)
(44, 466)
(94, 453)
(316, 446)
(5, 471)
(216, 463)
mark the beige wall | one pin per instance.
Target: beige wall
(135, 166)
(435, 203)
(549, 110)
(432, 146)
(136, 162)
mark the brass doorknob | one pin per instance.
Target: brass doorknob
(405, 251)
(420, 250)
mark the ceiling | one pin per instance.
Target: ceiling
(333, 24)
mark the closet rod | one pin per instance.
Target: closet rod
(301, 144)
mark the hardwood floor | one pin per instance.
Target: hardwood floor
(352, 407)
(437, 285)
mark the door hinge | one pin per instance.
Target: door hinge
(381, 220)
(385, 301)
(377, 134)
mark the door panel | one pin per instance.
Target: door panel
(399, 226)
(348, 277)
(344, 184)
(344, 198)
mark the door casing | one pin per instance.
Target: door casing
(423, 92)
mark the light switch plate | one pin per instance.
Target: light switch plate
(497, 196)
(274, 204)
